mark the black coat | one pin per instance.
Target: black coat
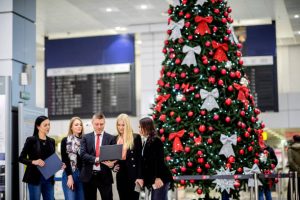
(153, 163)
(88, 156)
(133, 161)
(32, 151)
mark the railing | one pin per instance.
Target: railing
(293, 177)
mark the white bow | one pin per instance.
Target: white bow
(232, 36)
(201, 2)
(210, 102)
(176, 3)
(190, 58)
(176, 29)
(254, 170)
(227, 142)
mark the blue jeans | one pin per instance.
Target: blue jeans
(161, 193)
(46, 188)
(77, 193)
(265, 190)
(225, 195)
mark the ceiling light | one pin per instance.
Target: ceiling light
(296, 16)
(118, 28)
(139, 42)
(144, 7)
(108, 10)
(298, 32)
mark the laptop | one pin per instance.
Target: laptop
(111, 152)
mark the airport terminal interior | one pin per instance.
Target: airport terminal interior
(66, 58)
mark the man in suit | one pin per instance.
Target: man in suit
(94, 174)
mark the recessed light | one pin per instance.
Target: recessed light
(118, 28)
(296, 16)
(298, 32)
(108, 10)
(144, 7)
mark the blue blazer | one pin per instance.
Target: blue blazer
(88, 156)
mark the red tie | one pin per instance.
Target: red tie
(98, 147)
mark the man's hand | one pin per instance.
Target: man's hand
(70, 182)
(108, 163)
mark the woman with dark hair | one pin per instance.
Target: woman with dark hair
(157, 176)
(70, 146)
(36, 149)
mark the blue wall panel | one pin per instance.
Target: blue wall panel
(86, 51)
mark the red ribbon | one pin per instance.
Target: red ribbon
(185, 87)
(220, 54)
(243, 93)
(177, 145)
(160, 100)
(202, 27)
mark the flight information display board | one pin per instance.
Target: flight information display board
(82, 91)
(262, 74)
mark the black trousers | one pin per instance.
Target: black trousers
(90, 188)
(125, 187)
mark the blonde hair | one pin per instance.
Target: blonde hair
(128, 132)
(72, 120)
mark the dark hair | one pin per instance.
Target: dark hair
(147, 125)
(98, 116)
(37, 123)
(296, 138)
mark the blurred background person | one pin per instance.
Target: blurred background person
(36, 149)
(129, 168)
(294, 162)
(157, 176)
(70, 147)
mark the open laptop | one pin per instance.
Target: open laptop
(111, 152)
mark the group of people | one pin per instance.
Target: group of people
(142, 164)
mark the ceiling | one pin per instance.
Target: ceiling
(72, 18)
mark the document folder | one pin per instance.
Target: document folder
(52, 165)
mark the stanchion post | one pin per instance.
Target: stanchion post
(296, 185)
(256, 186)
(279, 188)
(291, 180)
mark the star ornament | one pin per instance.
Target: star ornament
(200, 2)
(224, 184)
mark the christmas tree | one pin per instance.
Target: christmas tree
(204, 110)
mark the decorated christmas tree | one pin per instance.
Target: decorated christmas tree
(204, 110)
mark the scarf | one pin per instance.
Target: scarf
(73, 147)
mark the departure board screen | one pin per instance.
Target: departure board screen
(82, 91)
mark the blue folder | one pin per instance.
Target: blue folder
(52, 165)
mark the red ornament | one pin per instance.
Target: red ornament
(230, 88)
(180, 40)
(228, 102)
(198, 140)
(213, 68)
(196, 70)
(168, 158)
(223, 71)
(164, 50)
(190, 113)
(227, 119)
(239, 45)
(228, 31)
(205, 62)
(215, 29)
(166, 42)
(216, 117)
(242, 151)
(209, 141)
(240, 170)
(200, 160)
(172, 113)
(239, 139)
(231, 159)
(172, 55)
(207, 43)
(199, 170)
(173, 75)
(177, 61)
(236, 184)
(207, 165)
(187, 15)
(183, 75)
(182, 182)
(190, 164)
(229, 9)
(181, 13)
(250, 148)
(257, 111)
(241, 62)
(210, 128)
(192, 181)
(169, 32)
(190, 37)
(224, 20)
(238, 53)
(243, 113)
(202, 128)
(232, 74)
(174, 171)
(187, 24)
(228, 165)
(187, 149)
(203, 112)
(191, 134)
(211, 79)
(163, 139)
(247, 134)
(200, 153)
(220, 82)
(217, 11)
(238, 74)
(183, 169)
(256, 161)
(162, 118)
(199, 191)
(178, 119)
(170, 11)
(161, 131)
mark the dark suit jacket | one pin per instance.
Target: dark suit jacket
(32, 151)
(153, 162)
(133, 160)
(88, 156)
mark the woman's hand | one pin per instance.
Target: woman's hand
(158, 183)
(116, 168)
(140, 182)
(70, 182)
(38, 162)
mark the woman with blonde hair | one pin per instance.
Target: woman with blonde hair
(129, 168)
(70, 146)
